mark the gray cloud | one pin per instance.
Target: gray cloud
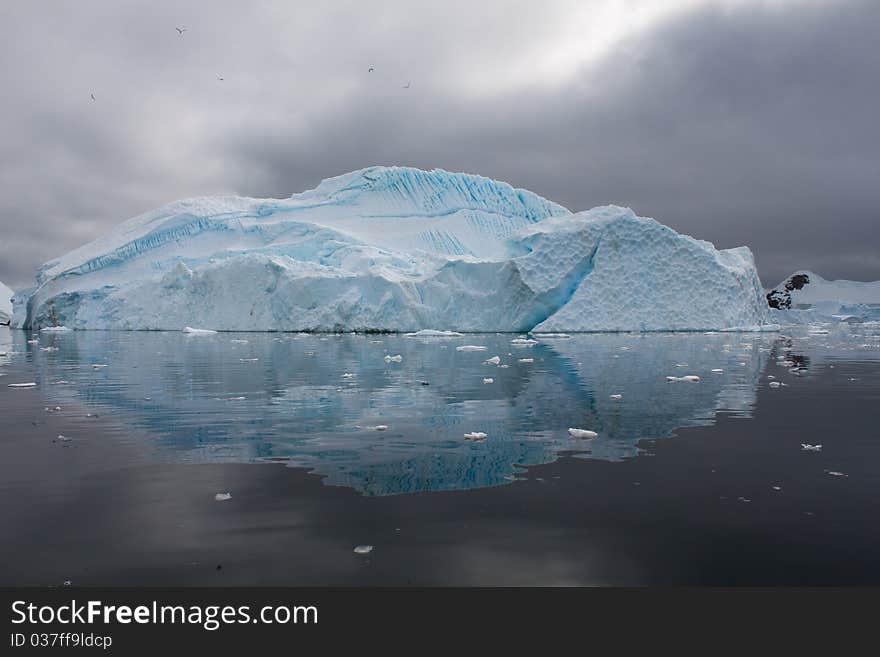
(748, 124)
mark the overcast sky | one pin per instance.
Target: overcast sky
(737, 121)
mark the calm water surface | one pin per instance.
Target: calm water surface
(110, 463)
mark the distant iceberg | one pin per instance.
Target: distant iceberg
(807, 298)
(396, 249)
(5, 304)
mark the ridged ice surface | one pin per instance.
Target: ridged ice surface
(399, 249)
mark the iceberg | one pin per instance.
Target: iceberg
(396, 249)
(807, 298)
(5, 304)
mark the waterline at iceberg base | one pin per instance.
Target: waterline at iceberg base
(396, 249)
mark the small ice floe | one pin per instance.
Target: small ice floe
(503, 367)
(248, 360)
(471, 347)
(63, 439)
(495, 360)
(718, 370)
(363, 549)
(48, 348)
(236, 398)
(98, 366)
(348, 375)
(433, 333)
(222, 497)
(22, 385)
(475, 435)
(835, 473)
(582, 433)
(523, 342)
(379, 427)
(770, 376)
(687, 378)
(54, 329)
(393, 359)
(743, 499)
(682, 365)
(616, 397)
(775, 384)
(553, 335)
(189, 330)
(488, 380)
(34, 341)
(806, 447)
(56, 409)
(777, 488)
(237, 341)
(526, 360)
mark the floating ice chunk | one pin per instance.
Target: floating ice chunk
(718, 370)
(197, 331)
(582, 433)
(526, 360)
(98, 366)
(471, 347)
(770, 376)
(835, 473)
(34, 341)
(688, 378)
(743, 499)
(22, 385)
(63, 439)
(222, 497)
(775, 384)
(553, 335)
(348, 375)
(248, 360)
(363, 549)
(393, 359)
(523, 342)
(475, 435)
(616, 397)
(54, 329)
(806, 447)
(46, 349)
(777, 488)
(488, 380)
(495, 360)
(236, 398)
(433, 333)
(237, 341)
(380, 427)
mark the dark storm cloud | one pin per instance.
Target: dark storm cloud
(748, 123)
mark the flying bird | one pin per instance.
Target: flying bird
(370, 70)
(219, 77)
(406, 86)
(181, 30)
(93, 96)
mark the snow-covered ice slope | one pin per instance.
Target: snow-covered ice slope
(805, 294)
(5, 304)
(400, 249)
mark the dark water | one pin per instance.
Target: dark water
(678, 487)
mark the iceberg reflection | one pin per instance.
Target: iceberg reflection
(245, 397)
